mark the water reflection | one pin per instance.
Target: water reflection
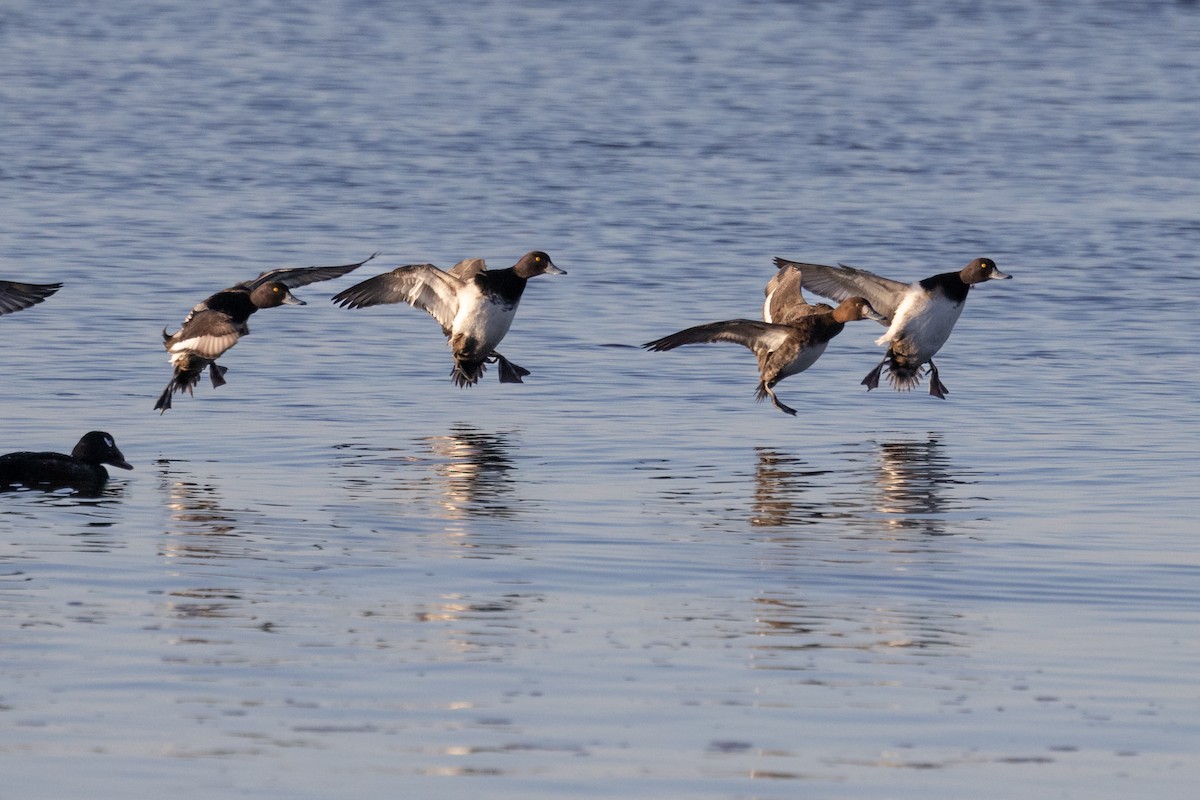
(199, 523)
(842, 544)
(784, 490)
(911, 482)
(790, 625)
(484, 628)
(200, 530)
(462, 474)
(90, 522)
(897, 485)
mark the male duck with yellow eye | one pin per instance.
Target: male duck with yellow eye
(791, 338)
(919, 316)
(215, 325)
(474, 305)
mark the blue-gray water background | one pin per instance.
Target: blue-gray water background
(339, 575)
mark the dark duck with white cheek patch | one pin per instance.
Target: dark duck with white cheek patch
(82, 471)
(791, 338)
(474, 305)
(919, 316)
(15, 296)
(215, 325)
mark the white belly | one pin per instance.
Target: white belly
(921, 326)
(481, 321)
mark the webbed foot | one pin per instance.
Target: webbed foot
(872, 379)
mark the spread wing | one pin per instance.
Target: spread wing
(785, 302)
(16, 296)
(840, 282)
(755, 335)
(293, 277)
(422, 286)
(467, 269)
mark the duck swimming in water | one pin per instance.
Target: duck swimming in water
(81, 471)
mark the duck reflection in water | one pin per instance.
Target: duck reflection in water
(903, 487)
(201, 530)
(475, 473)
(911, 479)
(463, 473)
(780, 485)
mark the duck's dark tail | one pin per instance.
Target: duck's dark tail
(904, 374)
(467, 373)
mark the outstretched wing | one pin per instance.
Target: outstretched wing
(755, 335)
(293, 277)
(422, 286)
(16, 296)
(785, 302)
(840, 282)
(467, 269)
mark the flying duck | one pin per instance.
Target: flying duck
(474, 305)
(919, 316)
(216, 324)
(791, 338)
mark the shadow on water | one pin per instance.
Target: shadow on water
(454, 476)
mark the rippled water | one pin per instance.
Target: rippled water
(339, 574)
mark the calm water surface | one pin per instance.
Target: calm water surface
(340, 576)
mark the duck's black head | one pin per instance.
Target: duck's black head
(273, 294)
(98, 447)
(536, 263)
(980, 270)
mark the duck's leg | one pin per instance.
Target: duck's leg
(936, 387)
(164, 399)
(510, 372)
(766, 391)
(216, 374)
(872, 379)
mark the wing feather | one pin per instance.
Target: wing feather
(293, 277)
(840, 282)
(15, 296)
(422, 286)
(755, 335)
